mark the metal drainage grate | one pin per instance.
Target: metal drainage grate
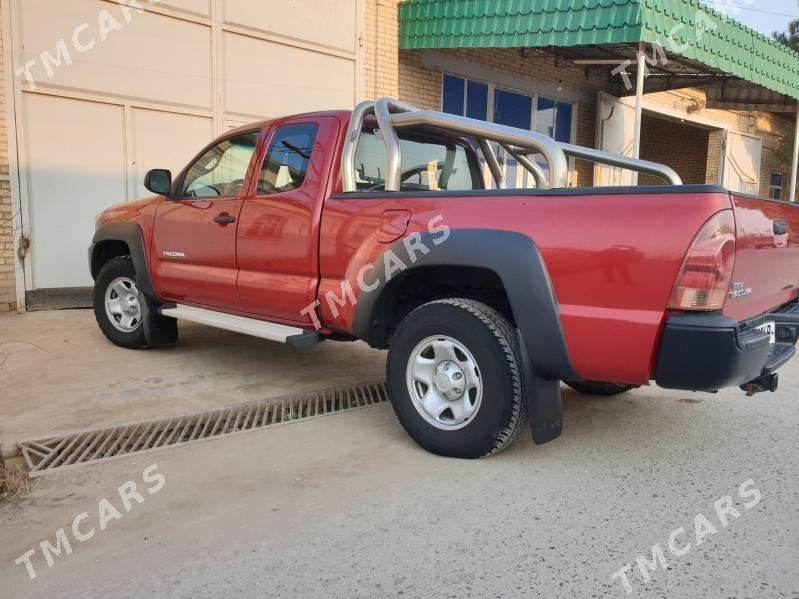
(80, 448)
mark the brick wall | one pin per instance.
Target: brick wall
(681, 146)
(381, 41)
(714, 151)
(769, 126)
(7, 279)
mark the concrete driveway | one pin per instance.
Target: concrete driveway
(58, 373)
(348, 506)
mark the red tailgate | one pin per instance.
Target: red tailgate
(767, 260)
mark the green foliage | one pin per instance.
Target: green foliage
(791, 37)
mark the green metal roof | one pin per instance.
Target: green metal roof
(684, 27)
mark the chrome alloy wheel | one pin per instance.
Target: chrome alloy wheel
(444, 382)
(122, 304)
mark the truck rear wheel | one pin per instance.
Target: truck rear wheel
(454, 378)
(600, 387)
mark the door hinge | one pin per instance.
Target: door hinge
(23, 247)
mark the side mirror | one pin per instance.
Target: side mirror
(159, 181)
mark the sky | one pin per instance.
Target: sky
(765, 16)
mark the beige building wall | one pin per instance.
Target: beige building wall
(91, 126)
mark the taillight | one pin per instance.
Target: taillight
(706, 272)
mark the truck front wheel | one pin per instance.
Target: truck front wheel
(118, 304)
(454, 378)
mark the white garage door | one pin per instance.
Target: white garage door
(117, 92)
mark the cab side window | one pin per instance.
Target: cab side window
(287, 159)
(221, 170)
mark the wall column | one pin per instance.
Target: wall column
(795, 163)
(639, 98)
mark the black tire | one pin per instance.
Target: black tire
(492, 341)
(600, 387)
(111, 271)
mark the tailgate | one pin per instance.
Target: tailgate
(766, 269)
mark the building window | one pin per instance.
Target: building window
(775, 186)
(487, 102)
(465, 97)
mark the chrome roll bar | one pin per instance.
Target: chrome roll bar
(493, 163)
(633, 164)
(392, 114)
(521, 157)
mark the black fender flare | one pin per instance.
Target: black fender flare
(158, 330)
(515, 259)
(131, 234)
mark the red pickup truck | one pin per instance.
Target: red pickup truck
(395, 226)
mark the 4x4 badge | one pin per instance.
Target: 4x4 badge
(739, 290)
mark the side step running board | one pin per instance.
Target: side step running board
(239, 324)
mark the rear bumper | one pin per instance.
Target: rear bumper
(707, 352)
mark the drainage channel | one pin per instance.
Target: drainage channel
(77, 449)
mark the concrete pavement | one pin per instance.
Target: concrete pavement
(348, 506)
(58, 373)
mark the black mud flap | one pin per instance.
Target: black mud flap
(159, 330)
(543, 400)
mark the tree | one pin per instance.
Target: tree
(791, 39)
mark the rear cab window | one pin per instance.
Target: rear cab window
(428, 163)
(287, 158)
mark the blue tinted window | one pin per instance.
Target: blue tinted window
(514, 110)
(563, 122)
(477, 100)
(453, 95)
(545, 117)
(776, 179)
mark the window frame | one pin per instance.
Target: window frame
(533, 95)
(492, 87)
(181, 180)
(779, 189)
(264, 151)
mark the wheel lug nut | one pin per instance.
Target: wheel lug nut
(458, 376)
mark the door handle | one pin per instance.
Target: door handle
(225, 219)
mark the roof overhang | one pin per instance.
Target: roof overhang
(689, 44)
